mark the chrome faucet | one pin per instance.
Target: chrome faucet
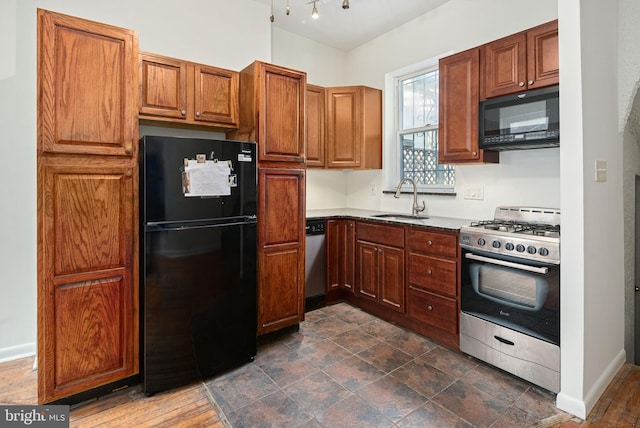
(416, 208)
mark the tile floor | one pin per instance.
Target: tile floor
(346, 368)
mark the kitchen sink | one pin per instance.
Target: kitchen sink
(401, 216)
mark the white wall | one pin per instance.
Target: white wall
(217, 32)
(592, 317)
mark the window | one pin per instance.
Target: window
(417, 119)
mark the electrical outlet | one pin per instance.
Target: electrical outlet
(474, 192)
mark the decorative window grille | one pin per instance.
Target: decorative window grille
(418, 131)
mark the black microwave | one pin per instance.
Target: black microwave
(527, 120)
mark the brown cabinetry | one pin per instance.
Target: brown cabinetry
(87, 205)
(340, 241)
(353, 127)
(272, 115)
(458, 110)
(523, 61)
(380, 264)
(432, 297)
(184, 92)
(315, 121)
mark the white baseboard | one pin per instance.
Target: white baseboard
(15, 352)
(581, 408)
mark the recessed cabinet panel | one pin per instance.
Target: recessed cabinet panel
(89, 321)
(279, 301)
(281, 202)
(344, 128)
(542, 55)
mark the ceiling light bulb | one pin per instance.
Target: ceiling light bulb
(345, 4)
(288, 9)
(271, 17)
(314, 12)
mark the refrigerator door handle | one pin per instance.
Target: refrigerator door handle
(166, 227)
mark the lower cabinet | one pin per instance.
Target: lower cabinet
(380, 264)
(340, 244)
(403, 274)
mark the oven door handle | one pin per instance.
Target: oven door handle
(535, 269)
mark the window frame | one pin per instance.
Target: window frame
(393, 153)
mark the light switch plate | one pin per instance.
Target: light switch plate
(474, 192)
(601, 170)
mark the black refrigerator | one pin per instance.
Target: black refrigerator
(198, 258)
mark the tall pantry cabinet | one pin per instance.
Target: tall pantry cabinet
(87, 205)
(272, 103)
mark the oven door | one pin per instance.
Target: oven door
(514, 293)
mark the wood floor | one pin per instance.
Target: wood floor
(191, 406)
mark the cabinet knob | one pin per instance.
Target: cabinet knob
(474, 153)
(430, 308)
(430, 242)
(429, 271)
(128, 150)
(530, 82)
(183, 112)
(198, 113)
(521, 84)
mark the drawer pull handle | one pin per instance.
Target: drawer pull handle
(430, 308)
(505, 341)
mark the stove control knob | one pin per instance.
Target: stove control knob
(509, 246)
(496, 244)
(520, 248)
(531, 249)
(543, 251)
(481, 241)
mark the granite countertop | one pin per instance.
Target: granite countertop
(443, 223)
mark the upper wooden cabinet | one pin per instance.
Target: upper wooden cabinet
(272, 112)
(184, 92)
(523, 61)
(87, 206)
(353, 127)
(315, 121)
(458, 112)
(87, 87)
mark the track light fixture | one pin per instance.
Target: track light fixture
(314, 11)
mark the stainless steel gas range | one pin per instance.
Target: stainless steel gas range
(510, 292)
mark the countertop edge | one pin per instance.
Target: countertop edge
(432, 222)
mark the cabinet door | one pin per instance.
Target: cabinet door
(87, 270)
(349, 254)
(458, 114)
(542, 55)
(314, 111)
(281, 234)
(344, 126)
(216, 95)
(506, 65)
(281, 114)
(391, 271)
(334, 253)
(163, 86)
(88, 74)
(367, 277)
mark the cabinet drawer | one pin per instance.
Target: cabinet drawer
(438, 311)
(433, 243)
(439, 275)
(388, 235)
